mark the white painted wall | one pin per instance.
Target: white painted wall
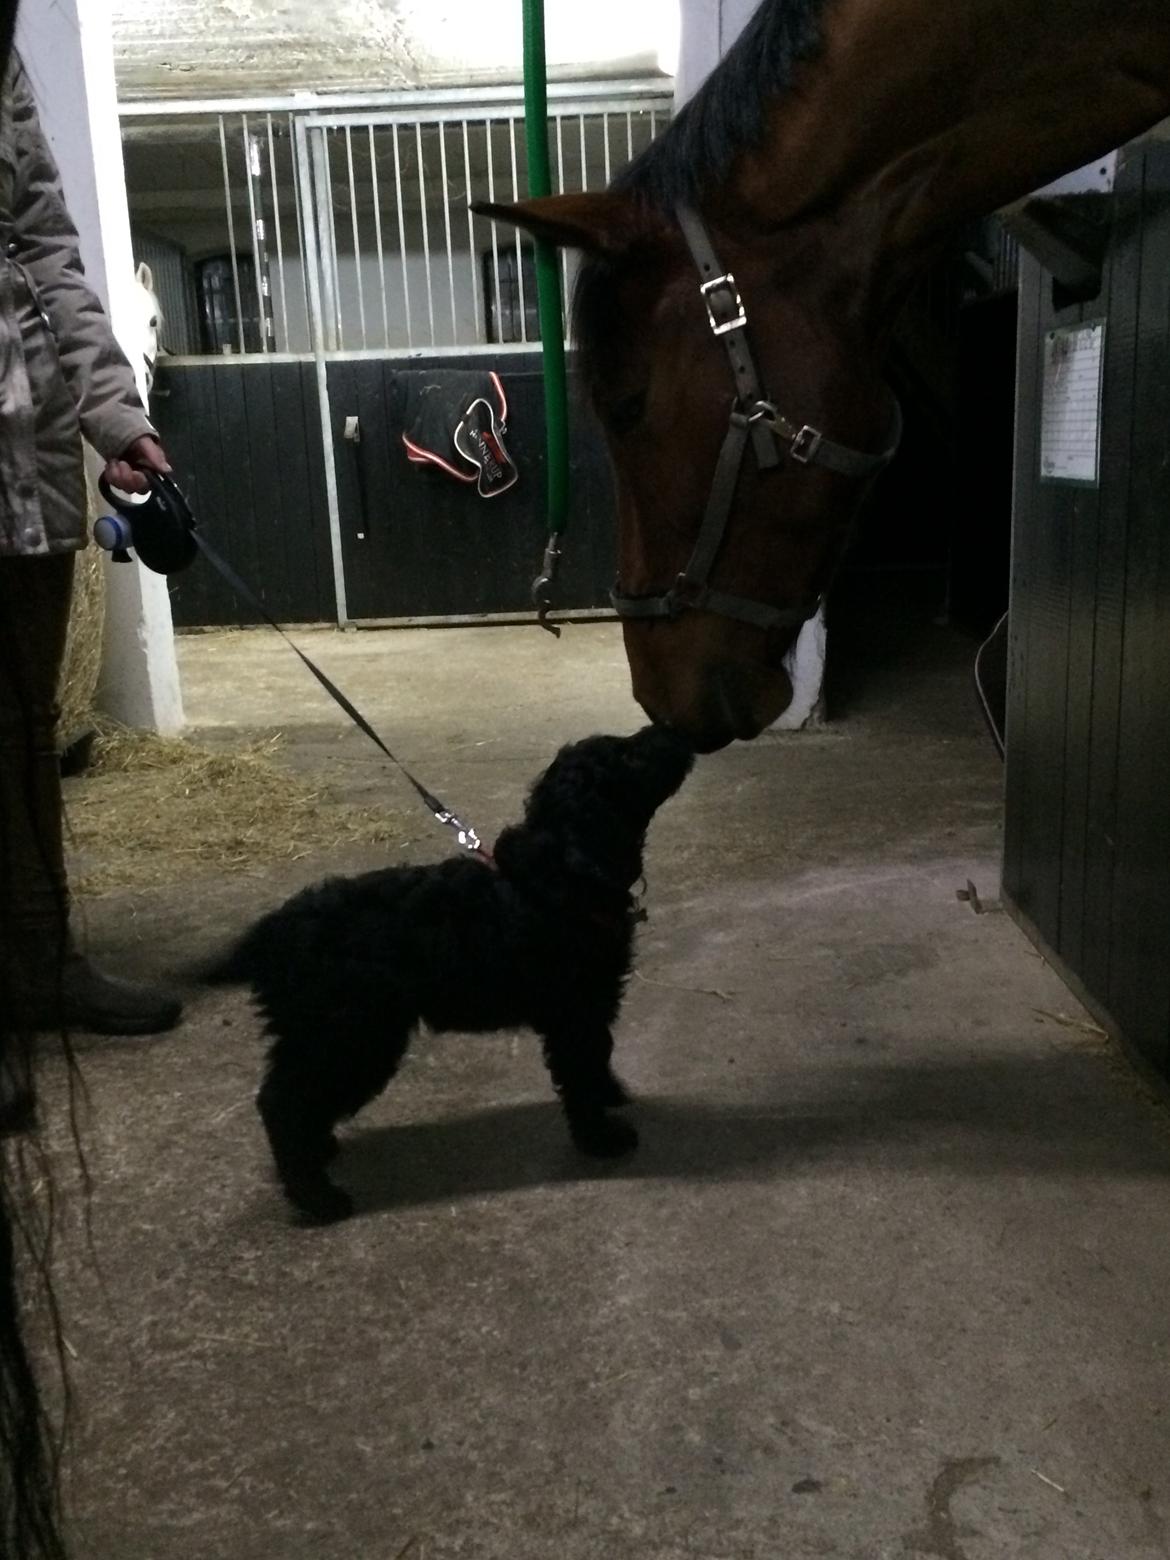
(67, 49)
(709, 28)
(227, 48)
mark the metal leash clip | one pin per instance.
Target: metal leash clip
(466, 836)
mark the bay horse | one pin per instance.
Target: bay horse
(741, 278)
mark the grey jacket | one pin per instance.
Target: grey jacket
(61, 371)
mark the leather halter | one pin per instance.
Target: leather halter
(773, 437)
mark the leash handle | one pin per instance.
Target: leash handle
(124, 503)
(160, 521)
(442, 814)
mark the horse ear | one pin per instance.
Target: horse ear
(604, 222)
(145, 275)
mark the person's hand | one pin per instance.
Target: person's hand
(145, 454)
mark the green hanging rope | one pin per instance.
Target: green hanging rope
(548, 295)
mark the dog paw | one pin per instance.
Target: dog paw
(606, 1139)
(321, 1204)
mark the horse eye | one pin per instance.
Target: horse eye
(154, 322)
(625, 415)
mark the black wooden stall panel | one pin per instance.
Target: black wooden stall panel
(418, 543)
(245, 441)
(1087, 851)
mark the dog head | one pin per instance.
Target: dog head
(586, 817)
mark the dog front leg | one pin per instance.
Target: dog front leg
(610, 1088)
(578, 1063)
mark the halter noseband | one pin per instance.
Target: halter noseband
(772, 437)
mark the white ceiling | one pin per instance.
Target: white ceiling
(228, 48)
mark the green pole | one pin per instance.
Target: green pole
(548, 295)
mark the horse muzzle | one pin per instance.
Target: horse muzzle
(710, 703)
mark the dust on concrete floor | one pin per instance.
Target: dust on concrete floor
(887, 1276)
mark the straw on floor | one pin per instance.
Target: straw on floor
(152, 810)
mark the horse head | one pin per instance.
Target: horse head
(150, 322)
(710, 659)
(834, 151)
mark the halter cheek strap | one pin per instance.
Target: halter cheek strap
(773, 437)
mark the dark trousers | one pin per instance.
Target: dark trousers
(34, 618)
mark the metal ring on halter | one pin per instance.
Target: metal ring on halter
(761, 411)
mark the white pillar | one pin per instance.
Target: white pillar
(68, 51)
(709, 28)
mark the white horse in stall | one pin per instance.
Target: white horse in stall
(150, 320)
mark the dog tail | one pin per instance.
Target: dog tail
(234, 965)
(283, 937)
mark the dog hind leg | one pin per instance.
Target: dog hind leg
(302, 1142)
(308, 1088)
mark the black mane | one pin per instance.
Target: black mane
(726, 115)
(723, 119)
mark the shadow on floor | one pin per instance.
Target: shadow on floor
(990, 1116)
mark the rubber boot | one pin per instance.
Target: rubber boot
(57, 988)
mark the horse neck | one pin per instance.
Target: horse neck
(916, 117)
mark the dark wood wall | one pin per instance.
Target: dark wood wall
(1087, 853)
(246, 442)
(416, 542)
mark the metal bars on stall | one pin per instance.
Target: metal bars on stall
(365, 209)
(405, 265)
(231, 231)
(263, 230)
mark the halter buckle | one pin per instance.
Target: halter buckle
(736, 321)
(805, 445)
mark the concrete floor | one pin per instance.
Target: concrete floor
(888, 1276)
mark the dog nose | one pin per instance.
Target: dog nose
(665, 742)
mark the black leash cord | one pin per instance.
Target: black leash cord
(466, 836)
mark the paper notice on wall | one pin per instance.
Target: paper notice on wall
(1070, 423)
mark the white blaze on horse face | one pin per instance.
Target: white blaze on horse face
(149, 322)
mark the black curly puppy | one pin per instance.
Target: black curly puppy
(344, 972)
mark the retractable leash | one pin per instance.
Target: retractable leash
(162, 530)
